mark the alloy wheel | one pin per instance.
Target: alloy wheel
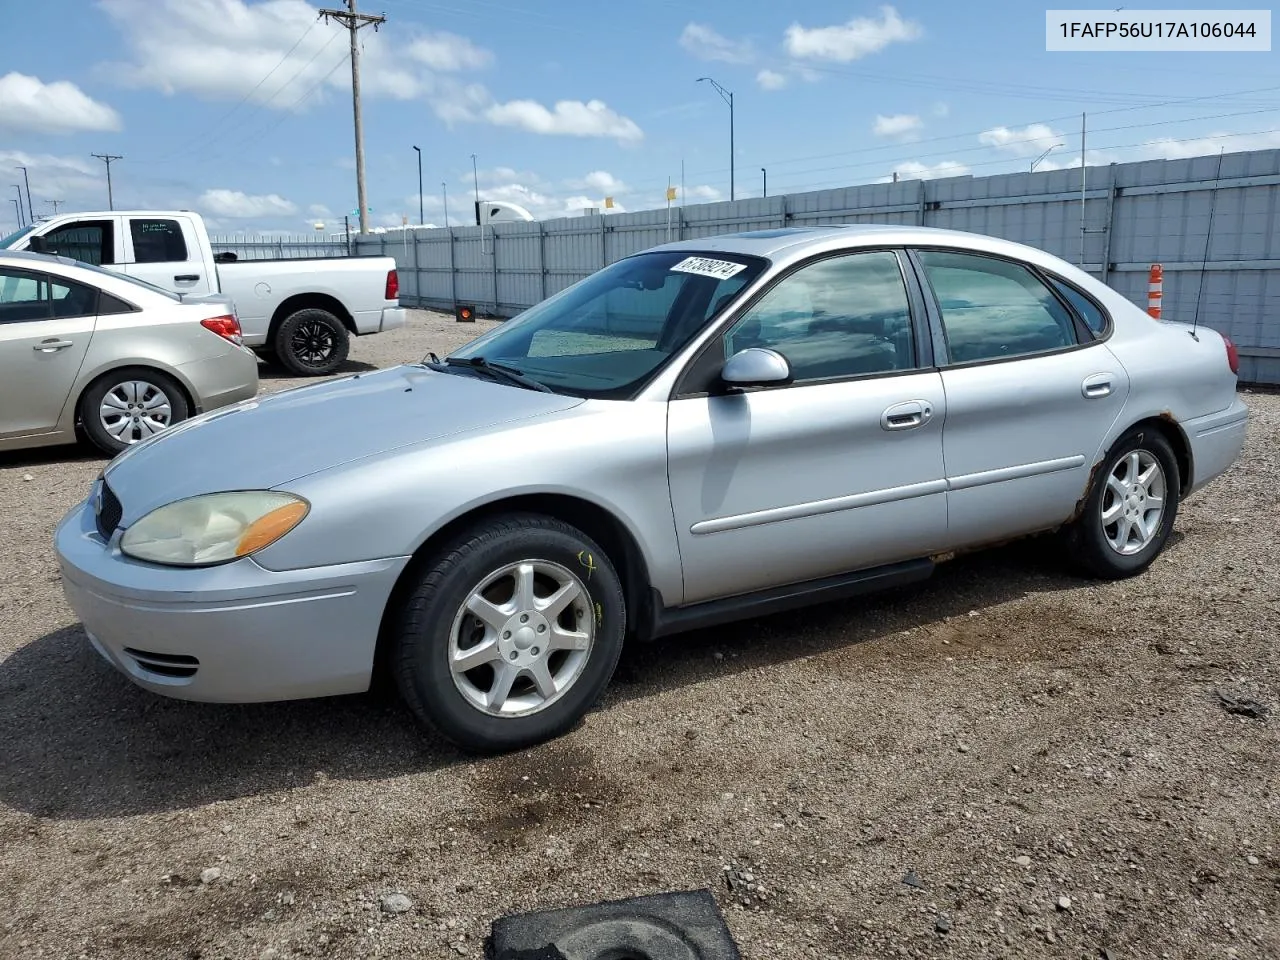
(1133, 502)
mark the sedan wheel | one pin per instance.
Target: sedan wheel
(1129, 512)
(510, 634)
(128, 406)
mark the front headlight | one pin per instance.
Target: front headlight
(213, 528)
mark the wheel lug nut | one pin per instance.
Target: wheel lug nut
(514, 655)
(534, 651)
(506, 634)
(524, 618)
(542, 628)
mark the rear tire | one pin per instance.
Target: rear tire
(511, 634)
(311, 342)
(1129, 512)
(129, 405)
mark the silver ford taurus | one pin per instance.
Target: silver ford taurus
(706, 431)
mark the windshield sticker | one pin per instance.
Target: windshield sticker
(706, 267)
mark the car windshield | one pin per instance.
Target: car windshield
(9, 242)
(605, 336)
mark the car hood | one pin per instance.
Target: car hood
(276, 438)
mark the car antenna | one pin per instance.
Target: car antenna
(1204, 261)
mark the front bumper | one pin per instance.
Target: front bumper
(235, 633)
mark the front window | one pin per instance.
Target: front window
(89, 241)
(606, 335)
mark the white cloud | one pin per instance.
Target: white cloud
(900, 126)
(449, 52)
(771, 80)
(71, 180)
(915, 170)
(238, 205)
(319, 210)
(703, 193)
(706, 44)
(1031, 140)
(600, 181)
(571, 118)
(852, 40)
(27, 103)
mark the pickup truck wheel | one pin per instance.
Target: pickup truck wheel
(312, 342)
(511, 633)
(129, 405)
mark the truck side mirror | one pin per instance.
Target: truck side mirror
(38, 244)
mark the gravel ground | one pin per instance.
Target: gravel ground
(1045, 759)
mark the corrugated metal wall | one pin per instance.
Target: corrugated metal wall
(278, 248)
(1135, 214)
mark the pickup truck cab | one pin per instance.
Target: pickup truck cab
(301, 312)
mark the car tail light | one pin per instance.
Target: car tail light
(225, 326)
(393, 286)
(1233, 355)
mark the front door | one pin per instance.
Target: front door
(45, 327)
(839, 470)
(166, 251)
(1030, 396)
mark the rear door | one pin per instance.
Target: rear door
(167, 251)
(1031, 392)
(46, 324)
(95, 241)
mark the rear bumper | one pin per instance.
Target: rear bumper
(217, 381)
(235, 633)
(393, 318)
(1216, 442)
(380, 321)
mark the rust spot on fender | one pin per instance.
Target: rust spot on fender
(1084, 497)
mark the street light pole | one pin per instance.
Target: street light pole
(421, 218)
(727, 97)
(764, 192)
(1042, 156)
(31, 217)
(476, 174)
(18, 187)
(444, 193)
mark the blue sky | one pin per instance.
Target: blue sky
(241, 108)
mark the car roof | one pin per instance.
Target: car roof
(37, 260)
(796, 241)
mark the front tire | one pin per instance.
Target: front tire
(129, 405)
(1129, 512)
(311, 343)
(511, 634)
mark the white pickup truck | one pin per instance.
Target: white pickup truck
(301, 312)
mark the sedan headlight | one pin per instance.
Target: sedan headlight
(213, 528)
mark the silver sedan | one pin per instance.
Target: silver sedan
(706, 431)
(113, 355)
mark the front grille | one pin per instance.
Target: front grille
(109, 512)
(177, 666)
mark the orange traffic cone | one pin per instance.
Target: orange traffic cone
(1155, 290)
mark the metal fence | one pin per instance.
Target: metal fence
(300, 246)
(1213, 222)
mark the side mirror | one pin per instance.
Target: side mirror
(754, 367)
(38, 244)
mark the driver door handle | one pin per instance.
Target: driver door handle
(908, 414)
(52, 345)
(193, 277)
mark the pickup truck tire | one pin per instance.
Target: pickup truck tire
(509, 635)
(311, 342)
(128, 405)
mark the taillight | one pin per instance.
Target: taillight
(393, 286)
(225, 326)
(1233, 355)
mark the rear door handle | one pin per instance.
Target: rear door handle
(193, 277)
(52, 345)
(1097, 386)
(908, 414)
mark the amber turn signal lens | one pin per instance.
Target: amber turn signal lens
(270, 527)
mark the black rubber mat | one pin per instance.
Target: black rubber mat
(666, 926)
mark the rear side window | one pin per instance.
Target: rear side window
(1089, 311)
(89, 241)
(108, 304)
(993, 309)
(157, 241)
(72, 299)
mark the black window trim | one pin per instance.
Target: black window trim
(1108, 326)
(1084, 340)
(696, 380)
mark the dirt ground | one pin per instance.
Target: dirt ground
(1046, 758)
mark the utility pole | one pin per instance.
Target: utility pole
(476, 174)
(31, 217)
(353, 22)
(727, 97)
(1082, 190)
(107, 158)
(421, 219)
(444, 193)
(55, 205)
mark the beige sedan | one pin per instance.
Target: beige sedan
(119, 358)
